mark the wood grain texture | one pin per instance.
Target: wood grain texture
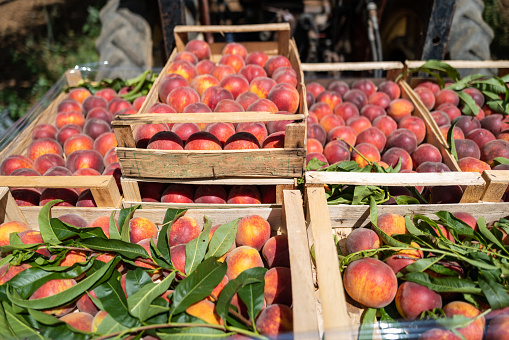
(130, 190)
(304, 302)
(496, 185)
(330, 283)
(353, 66)
(464, 63)
(159, 205)
(9, 210)
(285, 163)
(219, 181)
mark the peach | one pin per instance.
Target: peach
(203, 82)
(252, 71)
(206, 311)
(143, 133)
(275, 251)
(445, 194)
(161, 108)
(432, 167)
(102, 222)
(218, 289)
(85, 199)
(402, 138)
(457, 133)
(198, 108)
(178, 258)
(241, 141)
(263, 105)
(26, 197)
(440, 117)
(275, 62)
(67, 131)
(399, 262)
(314, 88)
(433, 87)
(313, 145)
(373, 136)
(53, 287)
(44, 131)
(285, 97)
(494, 149)
(104, 142)
(319, 156)
(236, 49)
(68, 105)
(205, 66)
(184, 68)
(285, 77)
(214, 94)
(390, 88)
(494, 123)
(145, 243)
(221, 71)
(268, 193)
(359, 123)
(244, 194)
(151, 191)
(58, 171)
(84, 159)
(277, 290)
(380, 99)
(450, 110)
(321, 110)
(78, 142)
(476, 95)
(171, 82)
(331, 98)
(235, 83)
(370, 282)
(252, 231)
(202, 141)
(498, 328)
(210, 194)
(467, 148)
(178, 193)
(416, 125)
(79, 94)
(311, 118)
(469, 164)
(257, 129)
(43, 146)
(426, 95)
(68, 195)
(106, 93)
(413, 299)
(223, 257)
(399, 109)
(257, 57)
(228, 105)
(339, 87)
(74, 220)
(199, 48)
(92, 102)
(240, 259)
(79, 320)
(15, 162)
(274, 320)
(275, 140)
(72, 257)
(371, 112)
(392, 224)
(261, 86)
(222, 131)
(47, 161)
(475, 329)
(365, 85)
(356, 97)
(110, 157)
(362, 239)
(345, 133)
(446, 96)
(188, 56)
(369, 151)
(8, 271)
(336, 151)
(425, 153)
(180, 97)
(480, 136)
(183, 230)
(247, 98)
(182, 130)
(98, 319)
(141, 228)
(385, 124)
(468, 218)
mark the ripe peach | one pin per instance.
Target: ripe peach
(161, 108)
(274, 320)
(432, 167)
(202, 141)
(72, 257)
(11, 227)
(457, 132)
(402, 138)
(178, 257)
(252, 71)
(277, 290)
(275, 62)
(331, 98)
(235, 48)
(221, 71)
(68, 195)
(222, 131)
(145, 243)
(399, 109)
(241, 141)
(235, 83)
(211, 194)
(143, 133)
(380, 99)
(47, 161)
(67, 131)
(416, 125)
(247, 98)
(98, 319)
(345, 133)
(53, 287)
(100, 113)
(494, 149)
(480, 136)
(198, 108)
(359, 123)
(475, 329)
(356, 97)
(362, 239)
(228, 105)
(79, 320)
(268, 193)
(311, 118)
(476, 95)
(171, 82)
(183, 131)
(15, 162)
(257, 57)
(102, 222)
(218, 289)
(68, 105)
(426, 95)
(74, 220)
(105, 142)
(373, 136)
(43, 146)
(285, 97)
(78, 142)
(285, 77)
(313, 145)
(84, 159)
(252, 231)
(390, 88)
(467, 148)
(141, 228)
(178, 193)
(257, 129)
(370, 282)
(110, 158)
(425, 153)
(275, 140)
(446, 96)
(151, 191)
(494, 123)
(433, 87)
(185, 55)
(203, 82)
(26, 197)
(79, 94)
(445, 194)
(314, 88)
(183, 230)
(412, 299)
(275, 251)
(321, 110)
(205, 66)
(261, 86)
(365, 85)
(469, 164)
(106, 93)
(372, 112)
(385, 124)
(184, 68)
(399, 262)
(244, 194)
(319, 156)
(8, 271)
(450, 110)
(213, 95)
(206, 311)
(336, 151)
(44, 131)
(369, 151)
(262, 105)
(180, 97)
(92, 102)
(240, 259)
(199, 48)
(392, 224)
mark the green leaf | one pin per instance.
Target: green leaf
(470, 107)
(253, 296)
(422, 264)
(195, 333)
(196, 248)
(465, 82)
(451, 142)
(454, 223)
(223, 239)
(412, 229)
(50, 320)
(110, 325)
(129, 250)
(114, 301)
(67, 295)
(19, 326)
(141, 300)
(494, 292)
(314, 164)
(405, 200)
(47, 233)
(113, 229)
(501, 160)
(198, 285)
(443, 284)
(135, 280)
(481, 223)
(124, 217)
(163, 246)
(65, 231)
(368, 324)
(6, 331)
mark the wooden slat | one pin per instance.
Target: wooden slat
(73, 77)
(464, 63)
(232, 28)
(225, 163)
(304, 302)
(330, 283)
(219, 181)
(124, 136)
(496, 185)
(280, 191)
(353, 66)
(130, 189)
(159, 205)
(9, 210)
(106, 195)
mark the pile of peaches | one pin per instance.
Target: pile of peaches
(239, 82)
(129, 276)
(80, 142)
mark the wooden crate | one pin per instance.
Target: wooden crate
(103, 188)
(287, 162)
(288, 219)
(341, 315)
(132, 195)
